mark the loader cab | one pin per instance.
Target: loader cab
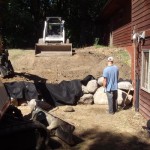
(54, 29)
(55, 26)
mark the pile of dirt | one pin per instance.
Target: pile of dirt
(55, 68)
(94, 128)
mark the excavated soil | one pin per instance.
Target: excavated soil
(94, 128)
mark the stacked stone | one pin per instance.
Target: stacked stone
(94, 93)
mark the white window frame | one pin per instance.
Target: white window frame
(142, 71)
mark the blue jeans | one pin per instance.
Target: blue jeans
(112, 100)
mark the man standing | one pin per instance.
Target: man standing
(110, 84)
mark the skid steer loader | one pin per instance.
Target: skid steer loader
(53, 40)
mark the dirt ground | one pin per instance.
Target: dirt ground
(94, 128)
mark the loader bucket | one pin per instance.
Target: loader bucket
(48, 48)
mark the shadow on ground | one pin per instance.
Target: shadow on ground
(32, 77)
(110, 141)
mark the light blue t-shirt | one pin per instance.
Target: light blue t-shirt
(111, 73)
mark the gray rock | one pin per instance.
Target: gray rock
(86, 99)
(69, 109)
(92, 86)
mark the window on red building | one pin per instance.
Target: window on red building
(145, 74)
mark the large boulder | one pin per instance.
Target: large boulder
(100, 97)
(84, 89)
(100, 81)
(86, 99)
(125, 85)
(92, 86)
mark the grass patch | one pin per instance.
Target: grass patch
(100, 46)
(124, 56)
(16, 53)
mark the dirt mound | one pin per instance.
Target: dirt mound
(56, 68)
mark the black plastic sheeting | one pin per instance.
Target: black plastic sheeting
(64, 93)
(21, 90)
(87, 79)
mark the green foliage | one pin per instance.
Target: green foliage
(100, 46)
(18, 24)
(124, 56)
(96, 41)
(24, 20)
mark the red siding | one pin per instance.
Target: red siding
(117, 22)
(141, 14)
(145, 104)
(141, 22)
(122, 36)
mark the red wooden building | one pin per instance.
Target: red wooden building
(127, 24)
